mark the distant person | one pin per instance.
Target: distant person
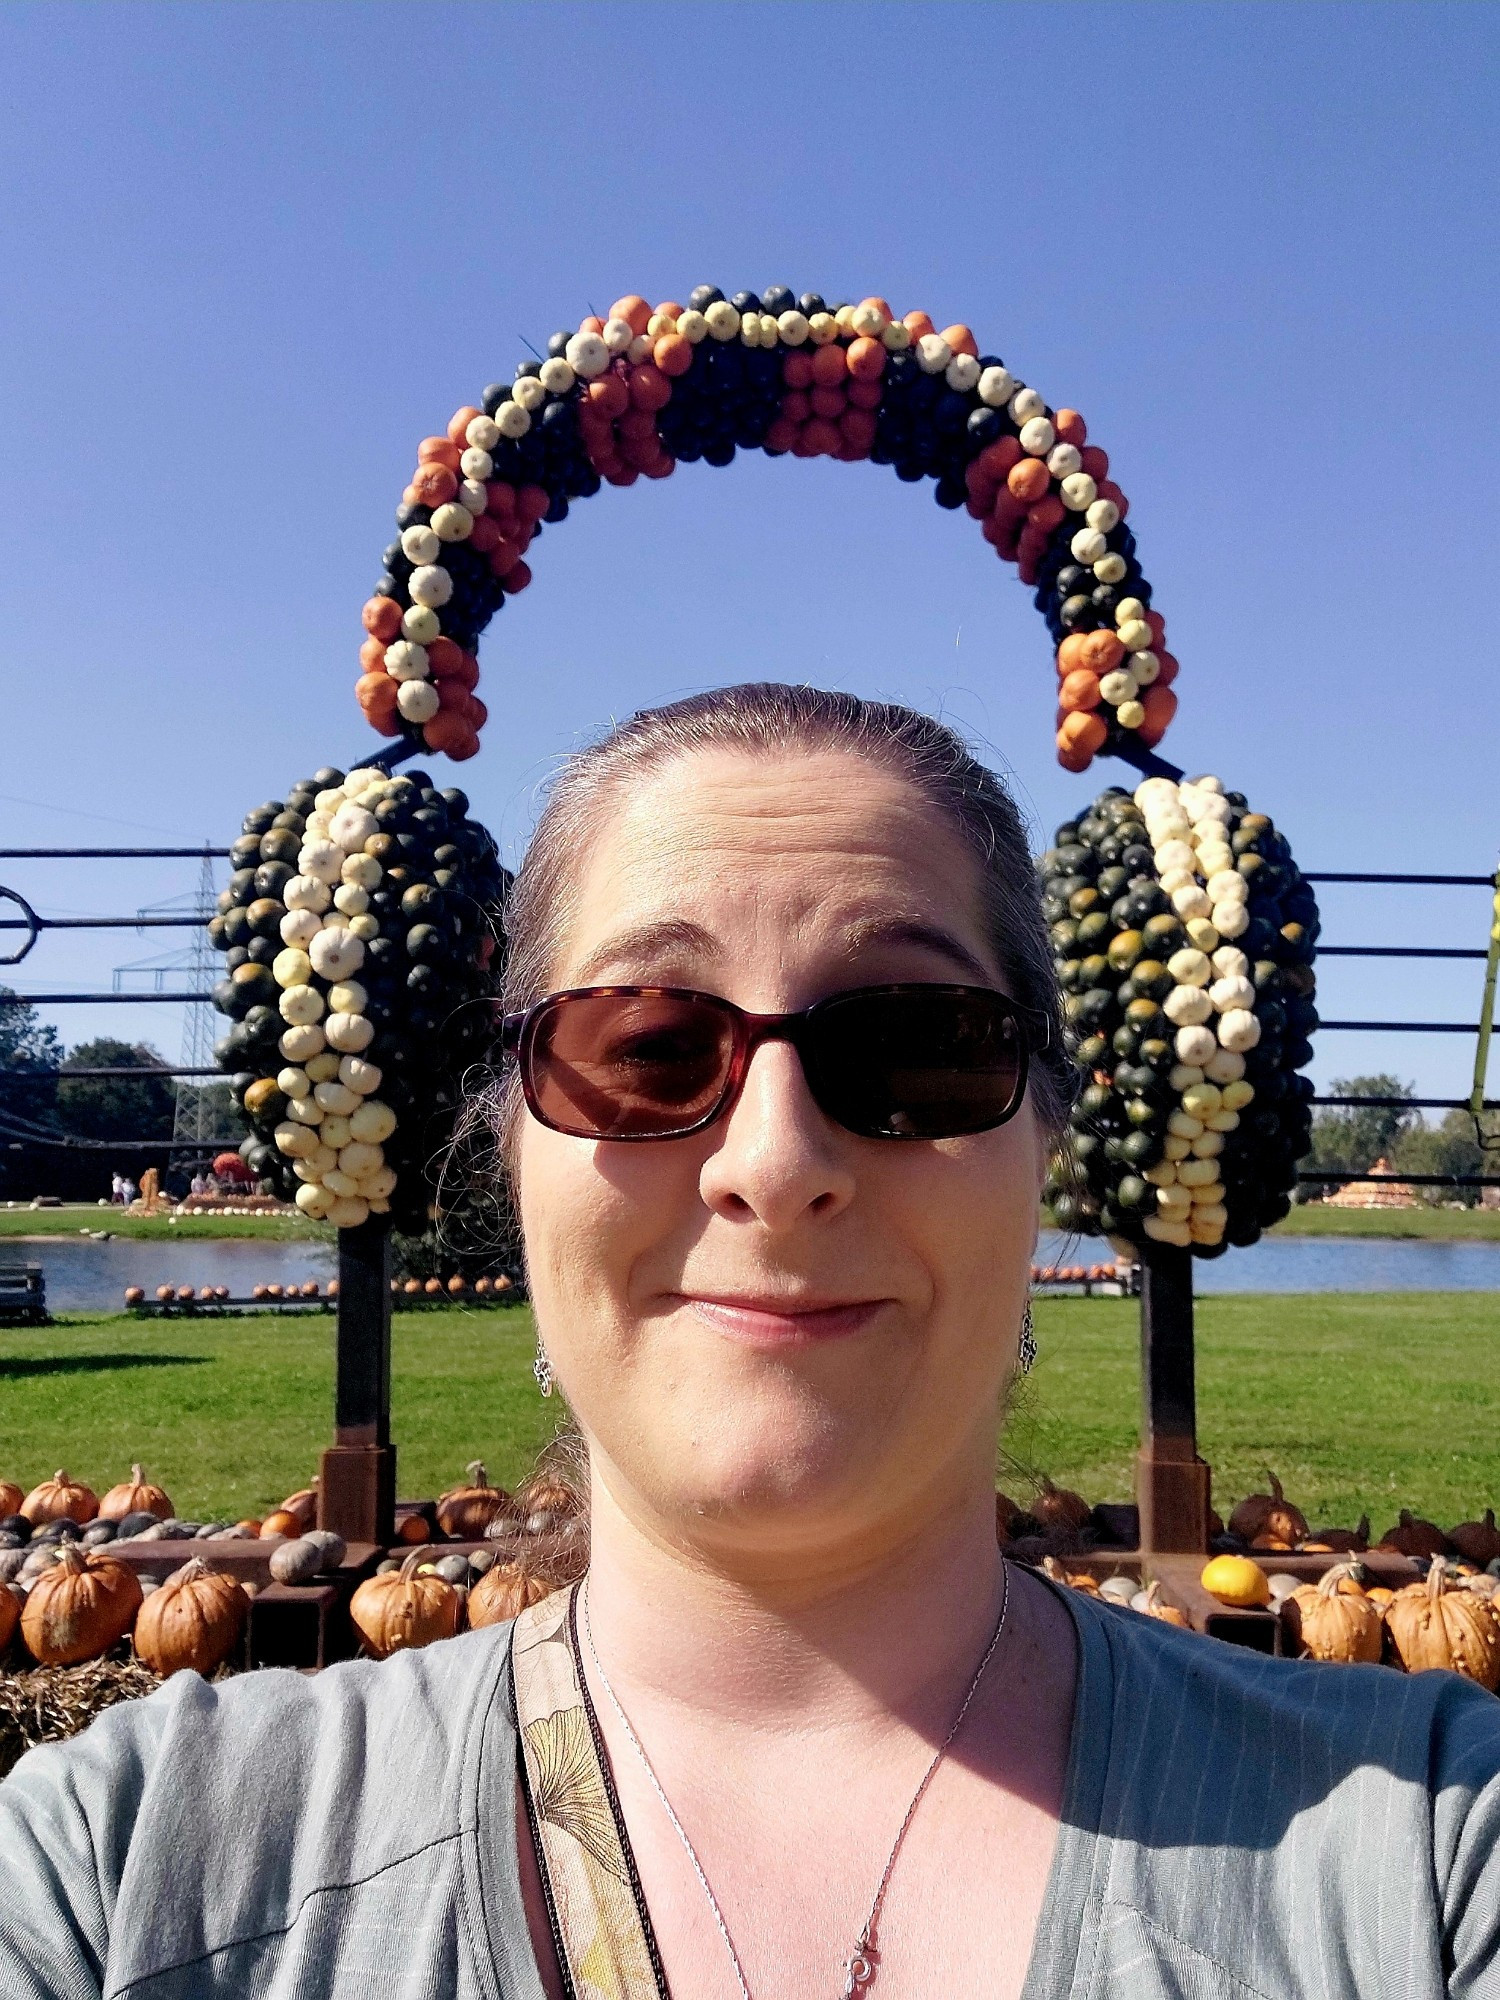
(789, 1064)
(116, 1188)
(128, 1190)
(200, 1184)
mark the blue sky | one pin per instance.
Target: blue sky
(254, 253)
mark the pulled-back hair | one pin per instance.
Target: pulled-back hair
(770, 719)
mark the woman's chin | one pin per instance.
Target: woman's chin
(769, 1478)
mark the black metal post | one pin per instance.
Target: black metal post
(357, 1493)
(1172, 1482)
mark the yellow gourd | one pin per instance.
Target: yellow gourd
(1236, 1580)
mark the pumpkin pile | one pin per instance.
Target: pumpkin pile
(1183, 934)
(645, 388)
(359, 932)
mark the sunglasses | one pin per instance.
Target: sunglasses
(885, 1062)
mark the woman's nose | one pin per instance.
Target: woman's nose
(779, 1160)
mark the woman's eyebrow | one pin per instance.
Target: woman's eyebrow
(864, 932)
(648, 941)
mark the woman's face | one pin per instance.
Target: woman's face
(673, 1280)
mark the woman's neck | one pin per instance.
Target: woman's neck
(881, 1626)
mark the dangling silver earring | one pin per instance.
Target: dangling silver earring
(1026, 1348)
(541, 1368)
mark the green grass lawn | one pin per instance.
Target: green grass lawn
(231, 1414)
(76, 1216)
(1362, 1403)
(1437, 1225)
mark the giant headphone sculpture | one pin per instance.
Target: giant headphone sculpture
(1183, 930)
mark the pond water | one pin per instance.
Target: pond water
(84, 1276)
(1322, 1264)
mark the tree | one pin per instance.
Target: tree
(1449, 1148)
(116, 1107)
(1351, 1141)
(29, 1056)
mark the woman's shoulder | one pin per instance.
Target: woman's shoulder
(1179, 1687)
(1358, 1798)
(323, 1779)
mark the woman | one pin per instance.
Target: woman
(801, 1731)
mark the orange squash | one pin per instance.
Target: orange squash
(405, 1607)
(1437, 1624)
(59, 1499)
(464, 1512)
(79, 1607)
(135, 1496)
(193, 1621)
(10, 1614)
(1334, 1620)
(504, 1592)
(10, 1498)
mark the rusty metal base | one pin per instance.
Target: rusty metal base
(357, 1492)
(1173, 1494)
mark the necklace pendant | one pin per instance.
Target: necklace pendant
(860, 1969)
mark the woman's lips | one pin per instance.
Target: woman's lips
(762, 1323)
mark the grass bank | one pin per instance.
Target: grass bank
(1433, 1225)
(79, 1216)
(1362, 1403)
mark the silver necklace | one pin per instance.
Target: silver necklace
(860, 1966)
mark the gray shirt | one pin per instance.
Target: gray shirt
(1232, 1827)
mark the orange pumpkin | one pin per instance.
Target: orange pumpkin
(413, 1528)
(404, 1608)
(464, 1512)
(79, 1607)
(135, 1496)
(194, 1620)
(282, 1522)
(1334, 1619)
(1435, 1624)
(10, 1498)
(59, 1499)
(505, 1592)
(1155, 1606)
(10, 1614)
(303, 1507)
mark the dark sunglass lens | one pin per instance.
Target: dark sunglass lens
(926, 1063)
(628, 1065)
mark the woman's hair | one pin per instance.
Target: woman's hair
(770, 719)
